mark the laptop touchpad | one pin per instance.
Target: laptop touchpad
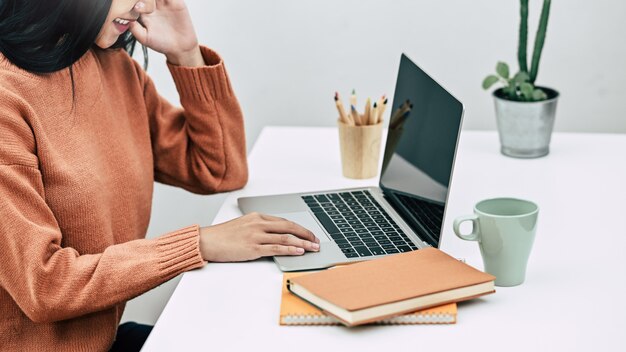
(306, 220)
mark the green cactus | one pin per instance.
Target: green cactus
(523, 36)
(521, 87)
(540, 39)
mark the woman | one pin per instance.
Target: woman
(84, 134)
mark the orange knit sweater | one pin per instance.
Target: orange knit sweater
(76, 182)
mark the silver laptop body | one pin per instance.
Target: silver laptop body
(406, 212)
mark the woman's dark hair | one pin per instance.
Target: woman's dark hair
(43, 36)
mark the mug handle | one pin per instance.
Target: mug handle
(475, 235)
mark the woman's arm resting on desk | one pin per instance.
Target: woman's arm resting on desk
(253, 236)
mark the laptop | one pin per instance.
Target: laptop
(406, 212)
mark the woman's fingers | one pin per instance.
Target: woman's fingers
(268, 217)
(287, 240)
(278, 225)
(139, 32)
(268, 250)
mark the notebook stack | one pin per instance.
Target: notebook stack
(418, 287)
(296, 311)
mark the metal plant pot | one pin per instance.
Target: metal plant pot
(525, 128)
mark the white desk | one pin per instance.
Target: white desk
(574, 297)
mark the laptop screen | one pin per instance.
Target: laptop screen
(419, 153)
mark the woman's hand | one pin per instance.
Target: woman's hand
(255, 235)
(165, 26)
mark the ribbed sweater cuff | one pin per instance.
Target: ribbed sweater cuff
(203, 83)
(179, 251)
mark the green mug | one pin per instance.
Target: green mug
(505, 231)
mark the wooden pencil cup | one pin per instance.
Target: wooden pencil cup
(360, 149)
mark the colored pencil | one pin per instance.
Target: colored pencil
(381, 110)
(343, 116)
(355, 115)
(367, 115)
(374, 115)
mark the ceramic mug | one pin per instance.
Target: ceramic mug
(505, 231)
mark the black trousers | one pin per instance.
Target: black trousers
(130, 337)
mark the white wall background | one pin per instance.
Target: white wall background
(286, 58)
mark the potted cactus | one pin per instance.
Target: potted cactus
(525, 112)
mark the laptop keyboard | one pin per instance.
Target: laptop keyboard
(428, 214)
(358, 224)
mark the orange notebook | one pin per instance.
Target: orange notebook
(295, 311)
(382, 288)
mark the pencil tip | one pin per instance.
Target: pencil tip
(353, 91)
(375, 105)
(385, 102)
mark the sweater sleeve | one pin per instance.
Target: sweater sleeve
(200, 147)
(51, 282)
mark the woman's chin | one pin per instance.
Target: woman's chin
(105, 43)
